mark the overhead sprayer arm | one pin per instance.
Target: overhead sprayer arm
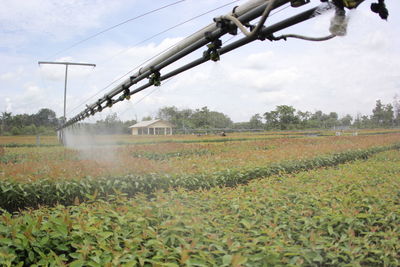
(238, 18)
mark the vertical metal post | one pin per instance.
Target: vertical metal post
(65, 92)
(61, 134)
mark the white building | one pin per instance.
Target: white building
(153, 127)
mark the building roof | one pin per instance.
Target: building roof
(149, 123)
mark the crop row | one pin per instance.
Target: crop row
(59, 163)
(149, 142)
(50, 141)
(15, 196)
(168, 155)
(12, 145)
(346, 216)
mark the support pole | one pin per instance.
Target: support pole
(62, 135)
(65, 92)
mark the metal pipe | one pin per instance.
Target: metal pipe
(266, 32)
(239, 11)
(66, 63)
(185, 48)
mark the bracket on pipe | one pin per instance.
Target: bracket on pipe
(226, 25)
(212, 52)
(127, 94)
(154, 78)
(132, 79)
(99, 107)
(109, 102)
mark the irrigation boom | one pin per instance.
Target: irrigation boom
(209, 36)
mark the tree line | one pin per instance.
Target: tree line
(283, 117)
(43, 122)
(287, 118)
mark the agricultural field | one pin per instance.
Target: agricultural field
(248, 199)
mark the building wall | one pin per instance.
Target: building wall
(158, 128)
(152, 131)
(134, 131)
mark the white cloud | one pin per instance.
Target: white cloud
(8, 105)
(21, 19)
(30, 100)
(345, 75)
(258, 61)
(9, 76)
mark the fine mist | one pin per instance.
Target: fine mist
(81, 139)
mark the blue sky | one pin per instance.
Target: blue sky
(346, 74)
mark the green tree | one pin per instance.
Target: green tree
(357, 121)
(185, 121)
(256, 122)
(30, 129)
(321, 120)
(16, 130)
(170, 114)
(383, 115)
(179, 118)
(396, 106)
(388, 115)
(241, 125)
(110, 125)
(331, 120)
(147, 118)
(45, 117)
(366, 121)
(317, 120)
(378, 113)
(271, 119)
(346, 120)
(219, 120)
(286, 116)
(304, 118)
(6, 119)
(200, 117)
(333, 116)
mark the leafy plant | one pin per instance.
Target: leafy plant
(343, 216)
(168, 155)
(15, 196)
(7, 158)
